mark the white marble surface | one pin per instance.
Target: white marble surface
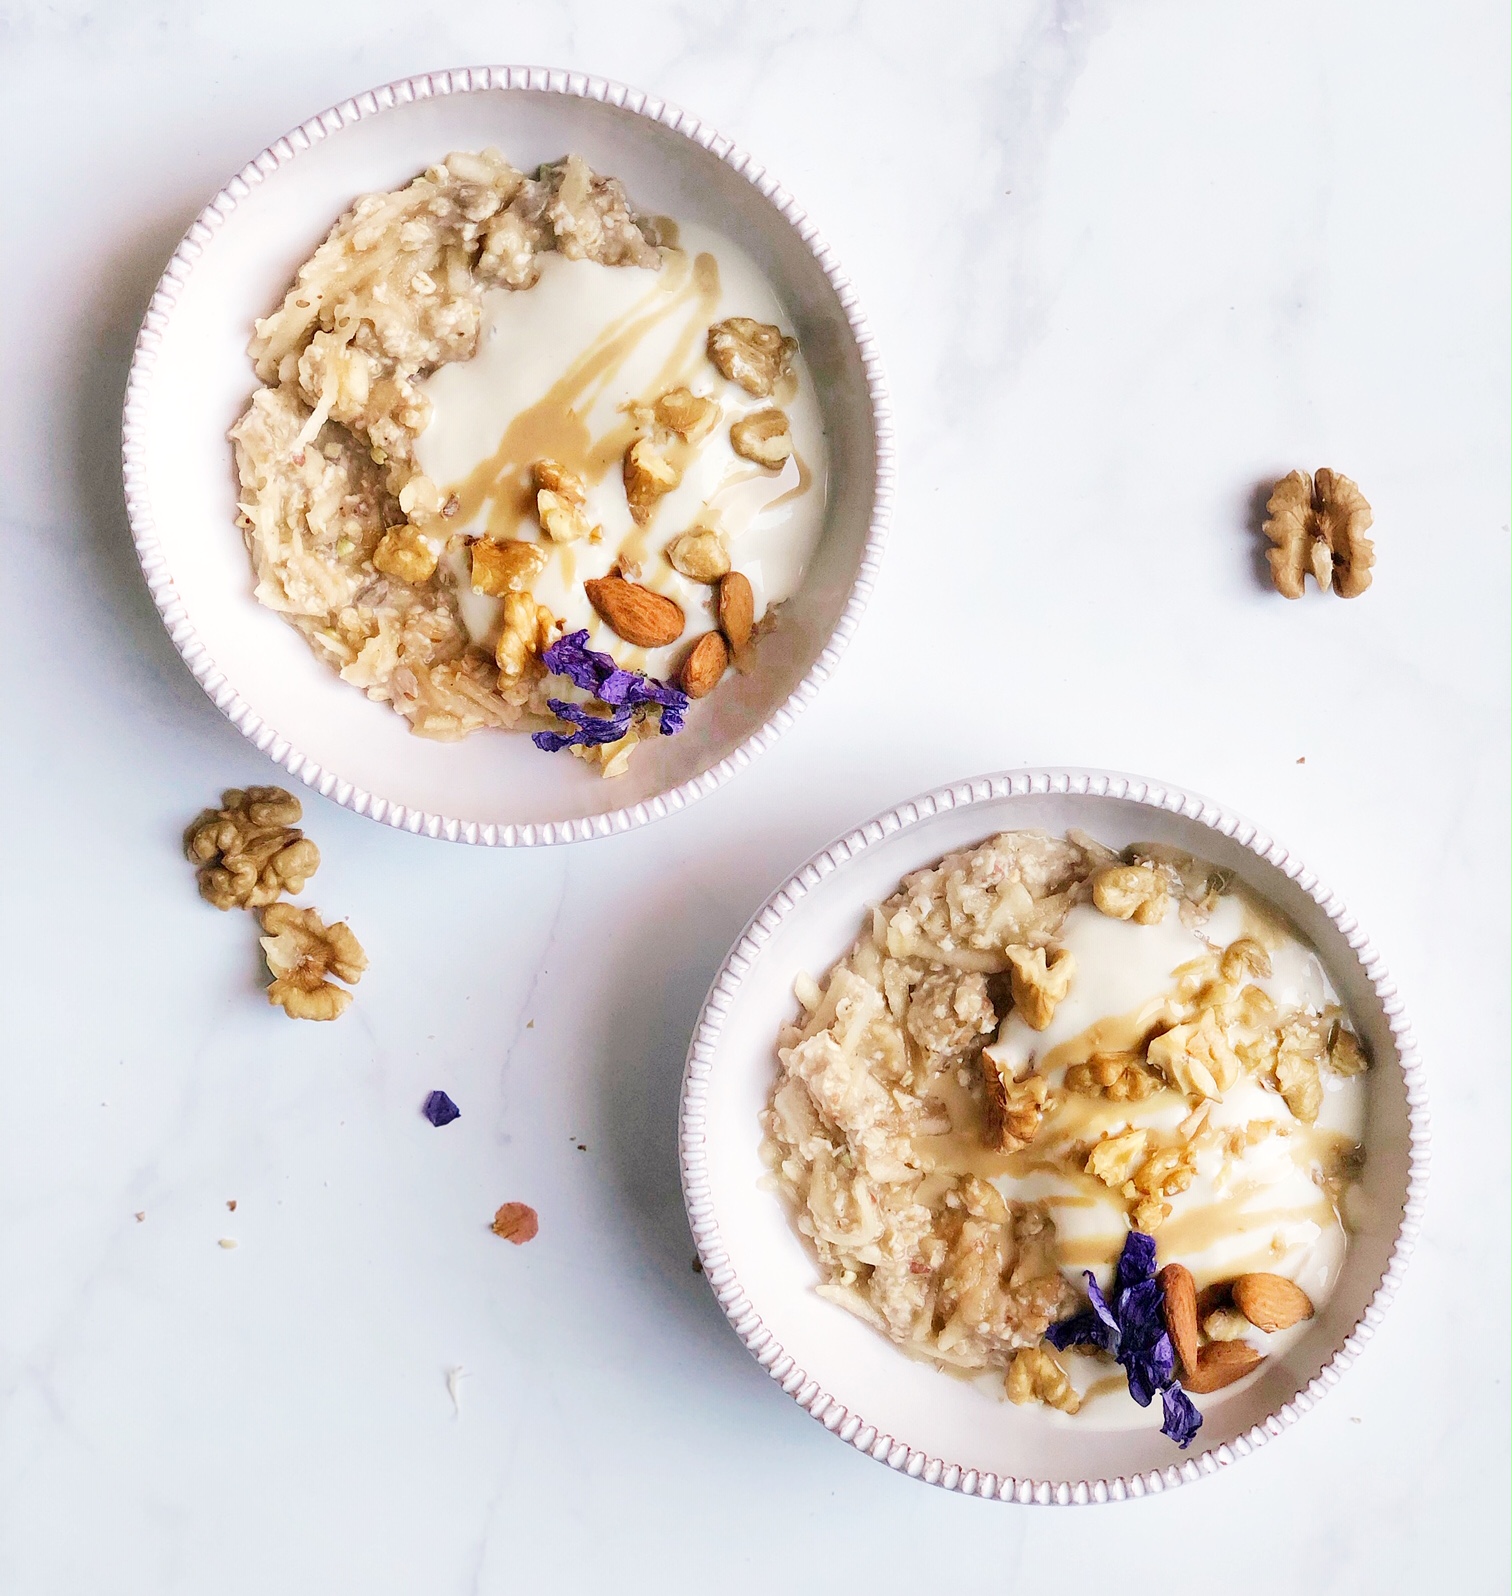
(1127, 262)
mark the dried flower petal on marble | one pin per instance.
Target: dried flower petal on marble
(440, 1110)
(516, 1222)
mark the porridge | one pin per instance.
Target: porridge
(1046, 1068)
(526, 459)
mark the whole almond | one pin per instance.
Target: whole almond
(737, 609)
(705, 664)
(647, 619)
(1271, 1302)
(1220, 1363)
(1180, 1293)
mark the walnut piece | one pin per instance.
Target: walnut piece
(700, 555)
(1035, 1375)
(249, 851)
(1120, 1077)
(302, 952)
(407, 554)
(1345, 1055)
(1131, 892)
(686, 413)
(561, 520)
(754, 354)
(1114, 1159)
(524, 632)
(1015, 1109)
(1298, 1081)
(509, 567)
(551, 476)
(1197, 1058)
(648, 475)
(764, 438)
(1243, 960)
(1318, 524)
(1165, 1172)
(1039, 986)
(1226, 1324)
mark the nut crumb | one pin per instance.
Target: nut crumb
(226, 1242)
(231, 1204)
(516, 1222)
(1318, 524)
(141, 1215)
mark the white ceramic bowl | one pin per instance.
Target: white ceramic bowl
(191, 378)
(855, 1383)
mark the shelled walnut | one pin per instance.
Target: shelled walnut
(1318, 524)
(249, 851)
(302, 953)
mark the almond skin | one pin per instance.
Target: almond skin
(1180, 1292)
(1218, 1295)
(1271, 1302)
(1220, 1363)
(737, 609)
(641, 617)
(705, 664)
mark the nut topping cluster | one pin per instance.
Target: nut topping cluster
(249, 852)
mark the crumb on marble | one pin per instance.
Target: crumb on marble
(227, 1242)
(231, 1204)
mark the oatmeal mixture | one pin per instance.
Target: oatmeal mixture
(1039, 1054)
(502, 409)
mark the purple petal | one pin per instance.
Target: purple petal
(1182, 1420)
(440, 1110)
(622, 690)
(1083, 1330)
(1100, 1303)
(1136, 1263)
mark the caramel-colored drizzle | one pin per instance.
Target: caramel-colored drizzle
(555, 426)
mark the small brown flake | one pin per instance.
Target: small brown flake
(141, 1216)
(516, 1222)
(231, 1204)
(698, 1266)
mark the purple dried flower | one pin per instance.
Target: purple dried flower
(440, 1110)
(1132, 1329)
(623, 691)
(1182, 1420)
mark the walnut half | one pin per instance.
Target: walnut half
(249, 851)
(1318, 524)
(302, 952)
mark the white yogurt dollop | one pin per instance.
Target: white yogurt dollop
(1259, 1209)
(557, 367)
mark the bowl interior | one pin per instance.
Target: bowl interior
(928, 1411)
(201, 380)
